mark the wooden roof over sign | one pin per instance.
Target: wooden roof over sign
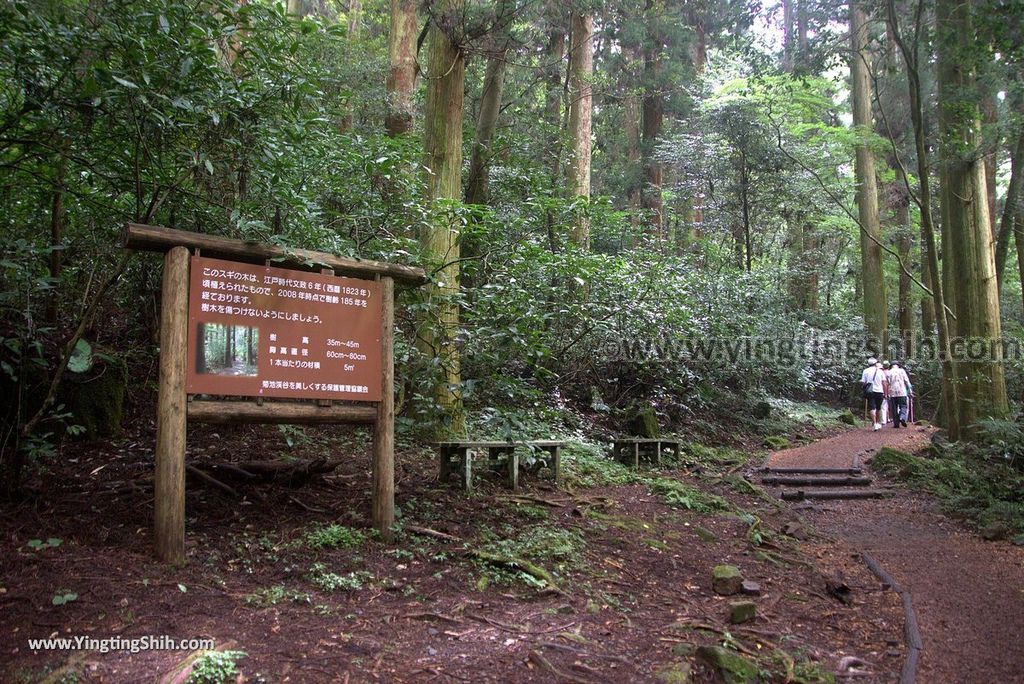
(159, 239)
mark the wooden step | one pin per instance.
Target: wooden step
(802, 494)
(811, 481)
(812, 471)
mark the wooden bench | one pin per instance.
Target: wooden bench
(458, 457)
(629, 450)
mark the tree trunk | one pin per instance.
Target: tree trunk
(1012, 208)
(56, 237)
(653, 115)
(631, 132)
(1018, 237)
(490, 105)
(355, 16)
(950, 394)
(927, 303)
(442, 143)
(788, 37)
(402, 76)
(873, 275)
(581, 71)
(990, 119)
(982, 390)
(748, 247)
(295, 8)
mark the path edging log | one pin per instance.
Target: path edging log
(911, 633)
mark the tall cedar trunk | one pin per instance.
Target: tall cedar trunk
(490, 107)
(989, 119)
(1018, 237)
(694, 206)
(803, 274)
(982, 385)
(929, 250)
(442, 146)
(788, 36)
(748, 247)
(56, 237)
(554, 55)
(875, 314)
(1013, 208)
(653, 115)
(581, 102)
(904, 313)
(927, 303)
(631, 132)
(355, 17)
(555, 96)
(295, 7)
(402, 77)
(801, 30)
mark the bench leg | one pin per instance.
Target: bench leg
(556, 464)
(675, 450)
(444, 469)
(513, 470)
(466, 469)
(636, 454)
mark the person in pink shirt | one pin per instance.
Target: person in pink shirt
(899, 390)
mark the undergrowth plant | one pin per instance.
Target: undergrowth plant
(334, 537)
(216, 667)
(982, 482)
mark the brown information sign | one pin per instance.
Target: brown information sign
(271, 332)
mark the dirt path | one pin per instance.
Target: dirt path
(968, 593)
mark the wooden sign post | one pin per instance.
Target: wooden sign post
(292, 323)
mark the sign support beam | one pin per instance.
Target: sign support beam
(169, 479)
(384, 427)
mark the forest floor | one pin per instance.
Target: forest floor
(292, 577)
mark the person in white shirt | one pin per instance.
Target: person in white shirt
(898, 389)
(873, 381)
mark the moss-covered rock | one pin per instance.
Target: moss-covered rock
(726, 580)
(95, 398)
(762, 410)
(776, 442)
(847, 417)
(742, 611)
(675, 673)
(732, 667)
(644, 423)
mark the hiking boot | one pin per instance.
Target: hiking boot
(878, 426)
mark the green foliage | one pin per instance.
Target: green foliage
(63, 597)
(334, 537)
(321, 577)
(544, 550)
(587, 465)
(216, 667)
(776, 442)
(981, 482)
(271, 596)
(39, 544)
(682, 495)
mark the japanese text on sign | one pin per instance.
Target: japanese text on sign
(265, 331)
